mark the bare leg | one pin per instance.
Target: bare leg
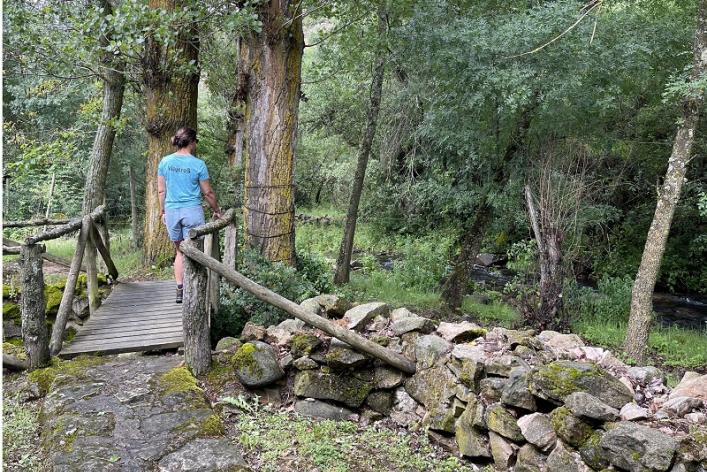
(178, 264)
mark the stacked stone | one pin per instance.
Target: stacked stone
(521, 401)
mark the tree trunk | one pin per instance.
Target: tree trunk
(171, 91)
(112, 74)
(50, 199)
(134, 222)
(456, 285)
(34, 325)
(195, 314)
(343, 262)
(271, 63)
(668, 196)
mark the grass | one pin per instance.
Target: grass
(495, 313)
(20, 435)
(280, 441)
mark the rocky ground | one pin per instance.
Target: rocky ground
(289, 397)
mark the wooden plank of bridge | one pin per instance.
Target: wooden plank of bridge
(137, 316)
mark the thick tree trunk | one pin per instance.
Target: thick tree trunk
(171, 91)
(343, 262)
(668, 196)
(134, 221)
(34, 325)
(456, 285)
(271, 63)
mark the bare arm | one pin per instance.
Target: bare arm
(161, 191)
(210, 196)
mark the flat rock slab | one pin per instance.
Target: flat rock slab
(122, 415)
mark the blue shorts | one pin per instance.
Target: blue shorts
(180, 220)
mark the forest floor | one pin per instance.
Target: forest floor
(146, 412)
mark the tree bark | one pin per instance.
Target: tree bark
(134, 222)
(171, 91)
(352, 338)
(343, 262)
(456, 285)
(49, 199)
(270, 81)
(34, 324)
(69, 289)
(195, 314)
(112, 69)
(668, 196)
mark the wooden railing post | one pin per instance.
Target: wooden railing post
(230, 244)
(70, 288)
(195, 316)
(34, 325)
(90, 255)
(214, 281)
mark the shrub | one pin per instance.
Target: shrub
(239, 306)
(610, 302)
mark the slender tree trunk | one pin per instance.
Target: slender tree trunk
(113, 76)
(455, 287)
(549, 241)
(134, 222)
(270, 79)
(171, 91)
(668, 196)
(50, 199)
(343, 262)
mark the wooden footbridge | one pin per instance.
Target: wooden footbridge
(143, 316)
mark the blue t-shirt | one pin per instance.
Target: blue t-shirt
(182, 175)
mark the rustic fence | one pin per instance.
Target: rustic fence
(35, 334)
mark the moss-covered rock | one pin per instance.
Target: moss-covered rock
(14, 350)
(10, 292)
(472, 442)
(11, 311)
(559, 379)
(569, 428)
(44, 378)
(591, 452)
(502, 421)
(631, 446)
(52, 299)
(303, 344)
(347, 389)
(431, 386)
(211, 426)
(178, 380)
(256, 365)
(380, 401)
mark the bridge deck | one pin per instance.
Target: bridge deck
(136, 316)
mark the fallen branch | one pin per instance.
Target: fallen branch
(13, 363)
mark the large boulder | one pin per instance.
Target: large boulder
(346, 389)
(204, 455)
(502, 451)
(562, 459)
(431, 386)
(503, 365)
(502, 421)
(557, 380)
(442, 417)
(692, 385)
(385, 377)
(412, 323)
(333, 305)
(303, 344)
(460, 332)
(537, 430)
(256, 364)
(569, 428)
(635, 448)
(470, 440)
(341, 356)
(530, 460)
(319, 409)
(380, 401)
(228, 343)
(357, 317)
(516, 393)
(588, 406)
(429, 349)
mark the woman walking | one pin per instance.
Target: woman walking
(182, 179)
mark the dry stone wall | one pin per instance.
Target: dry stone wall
(519, 400)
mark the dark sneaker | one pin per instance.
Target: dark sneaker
(180, 294)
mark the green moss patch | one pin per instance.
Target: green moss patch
(211, 426)
(14, 350)
(11, 311)
(178, 380)
(75, 367)
(244, 359)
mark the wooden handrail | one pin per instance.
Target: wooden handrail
(194, 311)
(70, 227)
(42, 222)
(212, 226)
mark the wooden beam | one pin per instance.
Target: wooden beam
(46, 256)
(215, 225)
(105, 253)
(195, 313)
(70, 227)
(69, 289)
(40, 222)
(9, 250)
(353, 339)
(13, 363)
(34, 324)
